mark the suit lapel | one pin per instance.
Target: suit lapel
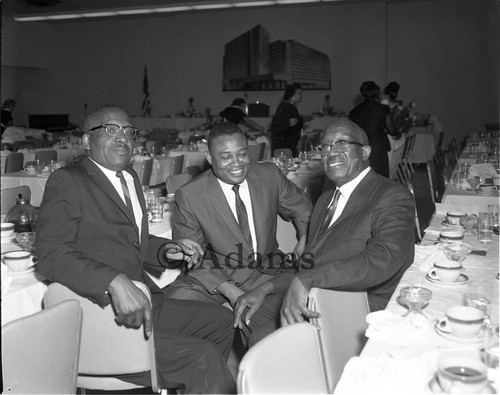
(219, 202)
(259, 202)
(319, 214)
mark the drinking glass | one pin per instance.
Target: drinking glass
(490, 353)
(485, 228)
(415, 297)
(474, 183)
(479, 293)
(493, 210)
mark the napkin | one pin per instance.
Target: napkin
(483, 170)
(425, 256)
(391, 373)
(392, 328)
(6, 279)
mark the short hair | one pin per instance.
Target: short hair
(344, 124)
(92, 116)
(290, 90)
(9, 103)
(370, 90)
(392, 90)
(223, 129)
(238, 101)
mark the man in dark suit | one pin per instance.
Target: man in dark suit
(361, 236)
(93, 237)
(242, 258)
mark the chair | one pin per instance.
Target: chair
(40, 351)
(9, 195)
(288, 361)
(107, 349)
(177, 162)
(175, 181)
(342, 327)
(417, 221)
(313, 189)
(146, 169)
(286, 152)
(193, 170)
(14, 162)
(46, 155)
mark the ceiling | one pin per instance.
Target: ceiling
(23, 8)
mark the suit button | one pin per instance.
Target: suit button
(135, 243)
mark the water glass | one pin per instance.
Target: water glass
(493, 210)
(490, 353)
(156, 209)
(479, 294)
(485, 228)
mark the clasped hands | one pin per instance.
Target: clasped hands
(131, 305)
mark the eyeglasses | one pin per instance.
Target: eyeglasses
(112, 130)
(339, 145)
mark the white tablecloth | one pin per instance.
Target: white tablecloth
(35, 182)
(406, 365)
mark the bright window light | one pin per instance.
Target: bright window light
(254, 3)
(211, 6)
(135, 12)
(64, 16)
(30, 18)
(173, 9)
(99, 14)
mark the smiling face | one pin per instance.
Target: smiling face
(113, 153)
(344, 165)
(228, 155)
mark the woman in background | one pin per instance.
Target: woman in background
(374, 118)
(237, 114)
(286, 127)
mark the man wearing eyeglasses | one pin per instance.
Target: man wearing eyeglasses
(361, 235)
(93, 237)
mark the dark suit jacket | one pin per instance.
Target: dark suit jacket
(86, 235)
(369, 246)
(203, 215)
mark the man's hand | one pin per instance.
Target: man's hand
(253, 300)
(300, 247)
(230, 291)
(294, 307)
(131, 306)
(185, 249)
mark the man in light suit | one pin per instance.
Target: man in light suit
(242, 258)
(361, 236)
(93, 237)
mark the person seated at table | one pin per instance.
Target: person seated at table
(7, 107)
(93, 237)
(236, 114)
(375, 119)
(361, 235)
(232, 210)
(286, 126)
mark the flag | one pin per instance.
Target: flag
(146, 103)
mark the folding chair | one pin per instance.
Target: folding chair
(46, 155)
(14, 162)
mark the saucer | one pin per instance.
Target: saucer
(461, 280)
(24, 272)
(434, 387)
(450, 336)
(486, 193)
(448, 225)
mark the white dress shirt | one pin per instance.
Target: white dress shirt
(345, 193)
(245, 196)
(115, 181)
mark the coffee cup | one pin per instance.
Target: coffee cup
(451, 235)
(463, 321)
(461, 375)
(446, 271)
(18, 261)
(30, 169)
(488, 188)
(454, 217)
(7, 229)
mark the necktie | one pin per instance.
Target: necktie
(241, 211)
(330, 211)
(126, 192)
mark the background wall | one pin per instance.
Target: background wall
(444, 53)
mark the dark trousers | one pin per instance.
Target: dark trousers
(264, 321)
(193, 340)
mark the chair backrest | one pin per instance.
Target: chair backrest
(175, 181)
(40, 351)
(288, 361)
(107, 349)
(418, 233)
(177, 163)
(286, 151)
(342, 327)
(147, 168)
(314, 188)
(46, 155)
(14, 162)
(9, 195)
(193, 170)
(254, 152)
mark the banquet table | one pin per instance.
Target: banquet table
(403, 359)
(180, 123)
(36, 182)
(63, 154)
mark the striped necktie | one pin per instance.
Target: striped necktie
(126, 192)
(330, 212)
(241, 212)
